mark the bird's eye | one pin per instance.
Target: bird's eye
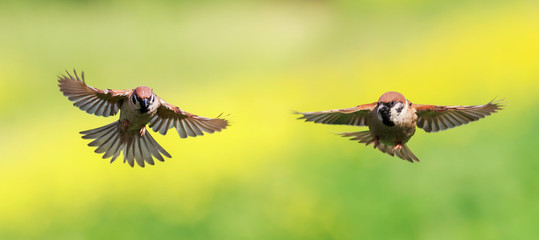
(392, 103)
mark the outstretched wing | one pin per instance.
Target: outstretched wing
(356, 116)
(89, 99)
(433, 118)
(186, 124)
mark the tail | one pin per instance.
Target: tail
(110, 140)
(365, 137)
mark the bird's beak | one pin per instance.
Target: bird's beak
(145, 103)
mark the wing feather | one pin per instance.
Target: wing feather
(433, 118)
(356, 116)
(186, 124)
(89, 99)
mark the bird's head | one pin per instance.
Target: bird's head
(391, 107)
(143, 99)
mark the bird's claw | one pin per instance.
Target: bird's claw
(142, 131)
(397, 147)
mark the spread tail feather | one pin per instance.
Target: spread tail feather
(111, 141)
(365, 137)
(405, 153)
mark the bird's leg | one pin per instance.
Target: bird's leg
(398, 146)
(142, 130)
(376, 142)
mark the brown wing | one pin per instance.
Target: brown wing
(356, 116)
(434, 118)
(91, 100)
(186, 124)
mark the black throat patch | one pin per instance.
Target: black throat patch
(385, 112)
(143, 110)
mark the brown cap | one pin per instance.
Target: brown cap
(392, 96)
(143, 92)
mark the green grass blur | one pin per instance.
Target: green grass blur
(270, 176)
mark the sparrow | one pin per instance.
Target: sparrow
(393, 119)
(138, 107)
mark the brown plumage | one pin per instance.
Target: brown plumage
(138, 107)
(143, 92)
(393, 119)
(392, 96)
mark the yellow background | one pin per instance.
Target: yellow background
(270, 176)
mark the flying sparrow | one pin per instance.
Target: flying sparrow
(393, 119)
(138, 107)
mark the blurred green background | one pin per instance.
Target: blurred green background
(270, 176)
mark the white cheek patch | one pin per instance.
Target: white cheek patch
(396, 116)
(153, 106)
(405, 109)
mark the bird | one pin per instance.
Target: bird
(393, 119)
(138, 107)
